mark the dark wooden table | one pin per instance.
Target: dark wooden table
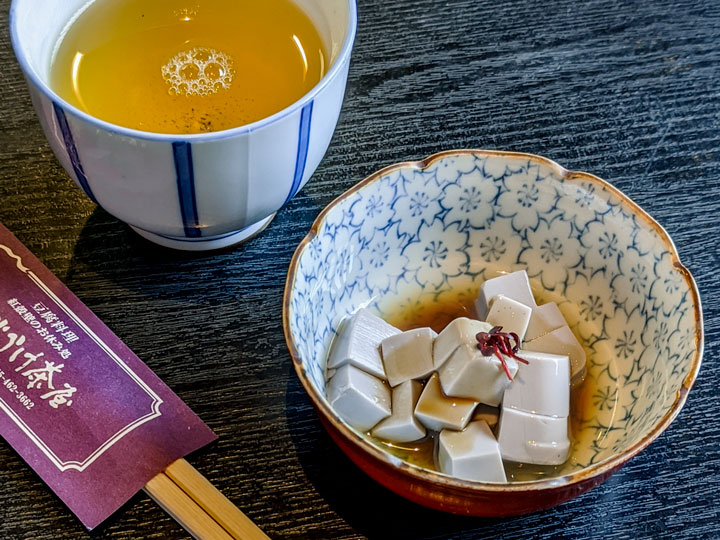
(628, 91)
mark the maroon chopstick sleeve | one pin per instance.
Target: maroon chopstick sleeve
(91, 419)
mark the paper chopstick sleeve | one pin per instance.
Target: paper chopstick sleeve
(78, 406)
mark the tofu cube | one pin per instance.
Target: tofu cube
(515, 285)
(544, 319)
(359, 341)
(542, 386)
(533, 438)
(469, 374)
(473, 454)
(437, 411)
(460, 331)
(510, 314)
(562, 341)
(402, 426)
(359, 398)
(408, 355)
(488, 414)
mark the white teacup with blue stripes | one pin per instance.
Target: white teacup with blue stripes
(193, 192)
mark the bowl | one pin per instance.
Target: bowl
(191, 192)
(438, 228)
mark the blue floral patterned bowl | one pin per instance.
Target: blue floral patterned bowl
(442, 226)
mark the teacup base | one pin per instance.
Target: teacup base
(206, 243)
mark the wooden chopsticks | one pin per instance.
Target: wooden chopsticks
(198, 506)
(176, 502)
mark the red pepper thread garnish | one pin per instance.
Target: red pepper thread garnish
(499, 343)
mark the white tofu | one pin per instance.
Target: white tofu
(408, 355)
(562, 341)
(460, 331)
(533, 438)
(469, 374)
(488, 414)
(359, 341)
(402, 426)
(542, 386)
(359, 398)
(515, 285)
(472, 454)
(544, 319)
(510, 314)
(437, 411)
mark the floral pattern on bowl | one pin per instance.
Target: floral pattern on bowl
(458, 218)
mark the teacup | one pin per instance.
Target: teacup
(192, 192)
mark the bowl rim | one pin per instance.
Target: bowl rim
(43, 87)
(414, 472)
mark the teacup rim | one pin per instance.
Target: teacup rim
(295, 106)
(596, 470)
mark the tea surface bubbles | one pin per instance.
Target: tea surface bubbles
(169, 66)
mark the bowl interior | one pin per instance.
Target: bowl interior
(439, 228)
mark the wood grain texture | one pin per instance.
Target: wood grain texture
(629, 91)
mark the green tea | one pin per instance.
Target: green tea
(171, 66)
